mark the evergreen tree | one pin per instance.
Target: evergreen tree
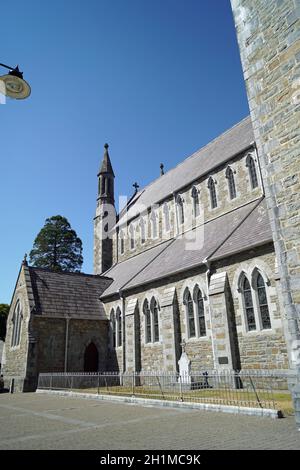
(57, 246)
(4, 309)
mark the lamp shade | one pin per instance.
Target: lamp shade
(15, 87)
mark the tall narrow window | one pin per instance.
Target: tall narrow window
(231, 183)
(200, 312)
(154, 311)
(263, 303)
(131, 237)
(153, 219)
(188, 301)
(213, 194)
(180, 209)
(113, 328)
(119, 327)
(166, 217)
(248, 304)
(17, 324)
(122, 243)
(147, 315)
(142, 226)
(196, 204)
(252, 171)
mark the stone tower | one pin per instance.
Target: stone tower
(268, 33)
(105, 216)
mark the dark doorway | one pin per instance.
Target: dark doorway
(91, 358)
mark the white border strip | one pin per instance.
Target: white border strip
(263, 412)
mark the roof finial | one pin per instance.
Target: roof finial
(161, 169)
(136, 187)
(25, 260)
(106, 146)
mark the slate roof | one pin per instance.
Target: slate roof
(68, 294)
(255, 230)
(123, 272)
(223, 148)
(232, 232)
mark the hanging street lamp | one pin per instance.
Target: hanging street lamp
(13, 84)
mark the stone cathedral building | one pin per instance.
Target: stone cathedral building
(190, 259)
(207, 255)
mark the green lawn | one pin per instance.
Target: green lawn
(279, 400)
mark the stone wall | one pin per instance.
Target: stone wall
(17, 356)
(255, 349)
(268, 34)
(51, 333)
(81, 333)
(259, 349)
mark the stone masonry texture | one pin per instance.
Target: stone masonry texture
(268, 34)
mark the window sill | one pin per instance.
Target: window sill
(195, 339)
(267, 331)
(153, 345)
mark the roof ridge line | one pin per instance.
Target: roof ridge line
(67, 272)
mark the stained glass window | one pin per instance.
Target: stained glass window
(252, 171)
(248, 303)
(213, 195)
(263, 303)
(201, 316)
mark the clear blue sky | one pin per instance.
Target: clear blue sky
(156, 79)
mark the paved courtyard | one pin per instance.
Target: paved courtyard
(34, 421)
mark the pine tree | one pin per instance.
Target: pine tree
(57, 246)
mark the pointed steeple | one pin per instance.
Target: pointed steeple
(106, 166)
(105, 216)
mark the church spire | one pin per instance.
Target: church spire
(105, 216)
(106, 179)
(106, 166)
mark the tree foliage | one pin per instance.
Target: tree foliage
(57, 246)
(4, 310)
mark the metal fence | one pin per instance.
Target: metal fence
(259, 389)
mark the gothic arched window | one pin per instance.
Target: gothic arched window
(252, 171)
(119, 327)
(154, 312)
(231, 183)
(17, 323)
(166, 217)
(180, 209)
(189, 306)
(143, 231)
(199, 301)
(153, 219)
(248, 304)
(113, 328)
(196, 203)
(131, 237)
(262, 302)
(122, 242)
(147, 315)
(212, 190)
